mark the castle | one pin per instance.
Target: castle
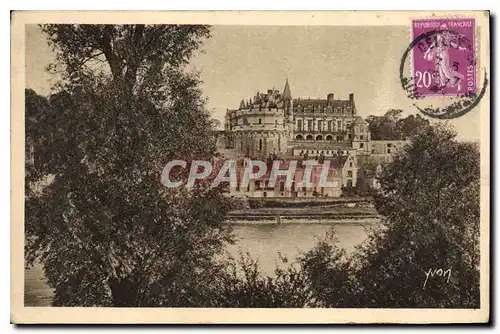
(273, 124)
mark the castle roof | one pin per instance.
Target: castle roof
(370, 162)
(286, 91)
(337, 162)
(274, 97)
(322, 102)
(359, 121)
(310, 101)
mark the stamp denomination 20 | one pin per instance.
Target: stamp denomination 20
(444, 63)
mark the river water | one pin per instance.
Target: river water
(262, 241)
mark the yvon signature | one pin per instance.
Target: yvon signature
(439, 273)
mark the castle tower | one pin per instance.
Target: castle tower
(287, 96)
(362, 137)
(287, 100)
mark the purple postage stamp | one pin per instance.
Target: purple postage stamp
(444, 59)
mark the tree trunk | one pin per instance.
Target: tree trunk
(124, 292)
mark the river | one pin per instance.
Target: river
(262, 241)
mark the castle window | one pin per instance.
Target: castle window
(361, 145)
(299, 124)
(339, 125)
(275, 123)
(260, 144)
(349, 173)
(388, 150)
(329, 126)
(361, 137)
(260, 121)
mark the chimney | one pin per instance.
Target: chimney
(351, 97)
(329, 99)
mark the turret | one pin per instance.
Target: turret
(287, 96)
(287, 101)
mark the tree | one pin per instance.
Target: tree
(429, 199)
(411, 125)
(391, 126)
(243, 285)
(382, 127)
(106, 230)
(328, 270)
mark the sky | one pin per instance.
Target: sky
(238, 61)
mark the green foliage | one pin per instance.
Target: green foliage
(256, 203)
(328, 271)
(245, 286)
(429, 198)
(97, 216)
(136, 55)
(392, 127)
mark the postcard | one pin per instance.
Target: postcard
(250, 167)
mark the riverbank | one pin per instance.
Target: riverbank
(306, 221)
(297, 202)
(343, 210)
(264, 242)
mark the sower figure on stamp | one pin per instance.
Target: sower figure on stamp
(448, 76)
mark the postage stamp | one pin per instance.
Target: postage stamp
(444, 60)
